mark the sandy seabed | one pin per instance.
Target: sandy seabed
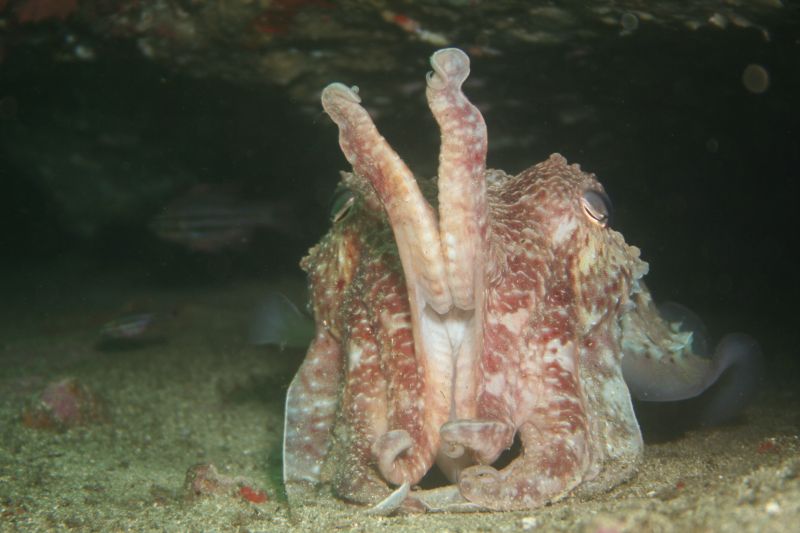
(203, 395)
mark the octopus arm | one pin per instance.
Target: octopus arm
(461, 183)
(311, 403)
(412, 219)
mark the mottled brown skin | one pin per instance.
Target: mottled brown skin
(447, 327)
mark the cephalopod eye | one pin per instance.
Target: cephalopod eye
(597, 207)
(341, 204)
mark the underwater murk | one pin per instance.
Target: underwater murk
(261, 268)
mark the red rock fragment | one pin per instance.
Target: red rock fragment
(252, 495)
(767, 446)
(64, 404)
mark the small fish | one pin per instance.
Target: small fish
(279, 322)
(130, 331)
(128, 326)
(205, 220)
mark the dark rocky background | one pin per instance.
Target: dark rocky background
(110, 110)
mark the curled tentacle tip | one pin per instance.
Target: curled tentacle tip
(450, 65)
(454, 450)
(338, 92)
(387, 449)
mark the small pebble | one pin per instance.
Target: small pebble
(529, 523)
(772, 508)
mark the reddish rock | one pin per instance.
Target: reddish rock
(63, 404)
(205, 480)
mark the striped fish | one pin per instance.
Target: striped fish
(205, 220)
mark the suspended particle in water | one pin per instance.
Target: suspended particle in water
(755, 78)
(629, 21)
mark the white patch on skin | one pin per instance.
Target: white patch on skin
(436, 104)
(323, 403)
(588, 257)
(515, 321)
(592, 317)
(496, 384)
(393, 323)
(552, 380)
(527, 401)
(354, 357)
(562, 355)
(405, 403)
(575, 442)
(564, 230)
(450, 246)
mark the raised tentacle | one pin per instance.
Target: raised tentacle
(412, 219)
(462, 183)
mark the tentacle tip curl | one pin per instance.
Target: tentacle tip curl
(449, 65)
(337, 93)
